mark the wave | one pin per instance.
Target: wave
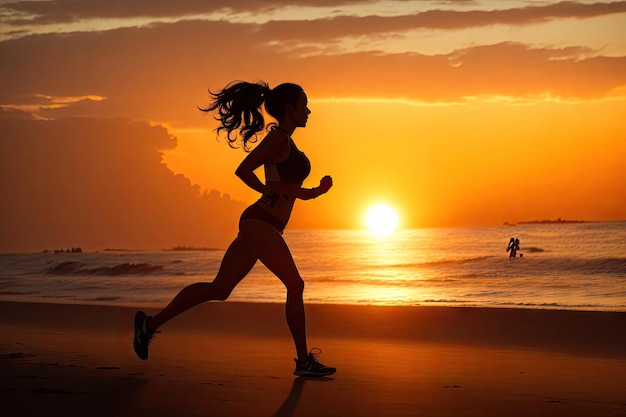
(105, 298)
(75, 268)
(561, 305)
(608, 265)
(611, 266)
(519, 304)
(455, 261)
(532, 249)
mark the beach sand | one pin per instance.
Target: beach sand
(235, 359)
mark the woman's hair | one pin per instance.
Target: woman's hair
(238, 108)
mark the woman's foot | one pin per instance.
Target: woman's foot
(143, 335)
(312, 367)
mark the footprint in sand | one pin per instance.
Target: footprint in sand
(56, 391)
(16, 355)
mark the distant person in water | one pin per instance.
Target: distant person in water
(513, 248)
(238, 108)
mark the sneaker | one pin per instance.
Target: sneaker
(313, 367)
(143, 335)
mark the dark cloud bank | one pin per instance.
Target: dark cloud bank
(100, 183)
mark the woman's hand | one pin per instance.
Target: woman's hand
(325, 184)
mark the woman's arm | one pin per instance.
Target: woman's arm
(271, 146)
(297, 191)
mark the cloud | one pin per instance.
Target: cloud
(406, 18)
(64, 11)
(343, 26)
(100, 183)
(162, 72)
(439, 19)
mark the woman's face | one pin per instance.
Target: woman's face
(300, 113)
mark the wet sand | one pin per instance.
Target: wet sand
(236, 359)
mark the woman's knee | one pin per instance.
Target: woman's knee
(220, 292)
(295, 287)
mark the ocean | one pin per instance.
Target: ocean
(572, 266)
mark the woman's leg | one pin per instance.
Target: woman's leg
(270, 248)
(237, 262)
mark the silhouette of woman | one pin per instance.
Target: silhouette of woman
(238, 108)
(513, 247)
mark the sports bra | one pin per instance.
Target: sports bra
(293, 170)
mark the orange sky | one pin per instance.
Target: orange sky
(455, 113)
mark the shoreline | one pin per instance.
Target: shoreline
(467, 305)
(605, 331)
(235, 359)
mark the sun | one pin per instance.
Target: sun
(381, 220)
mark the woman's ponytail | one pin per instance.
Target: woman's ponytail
(238, 107)
(239, 104)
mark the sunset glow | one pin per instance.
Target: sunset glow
(462, 113)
